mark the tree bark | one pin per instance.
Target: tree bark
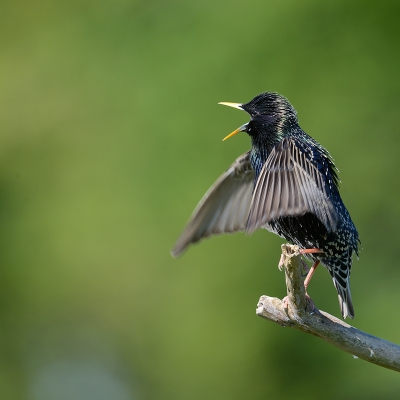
(298, 312)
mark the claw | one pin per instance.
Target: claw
(285, 302)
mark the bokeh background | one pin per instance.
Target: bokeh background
(111, 133)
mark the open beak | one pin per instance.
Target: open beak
(234, 105)
(240, 129)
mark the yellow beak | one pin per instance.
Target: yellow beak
(240, 129)
(243, 127)
(234, 105)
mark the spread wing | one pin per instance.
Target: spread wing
(224, 208)
(290, 183)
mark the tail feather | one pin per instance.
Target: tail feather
(345, 302)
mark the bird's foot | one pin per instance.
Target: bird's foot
(310, 306)
(285, 302)
(310, 303)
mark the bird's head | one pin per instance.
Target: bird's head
(271, 115)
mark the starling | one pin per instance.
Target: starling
(286, 183)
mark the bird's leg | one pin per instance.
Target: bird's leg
(285, 300)
(313, 268)
(308, 251)
(304, 251)
(310, 274)
(307, 281)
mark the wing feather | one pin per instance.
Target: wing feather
(290, 184)
(224, 208)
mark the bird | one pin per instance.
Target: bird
(286, 183)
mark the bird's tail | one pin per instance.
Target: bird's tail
(346, 304)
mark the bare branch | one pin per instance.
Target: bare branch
(303, 315)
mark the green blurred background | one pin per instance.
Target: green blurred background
(111, 133)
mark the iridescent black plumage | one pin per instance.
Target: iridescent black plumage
(287, 183)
